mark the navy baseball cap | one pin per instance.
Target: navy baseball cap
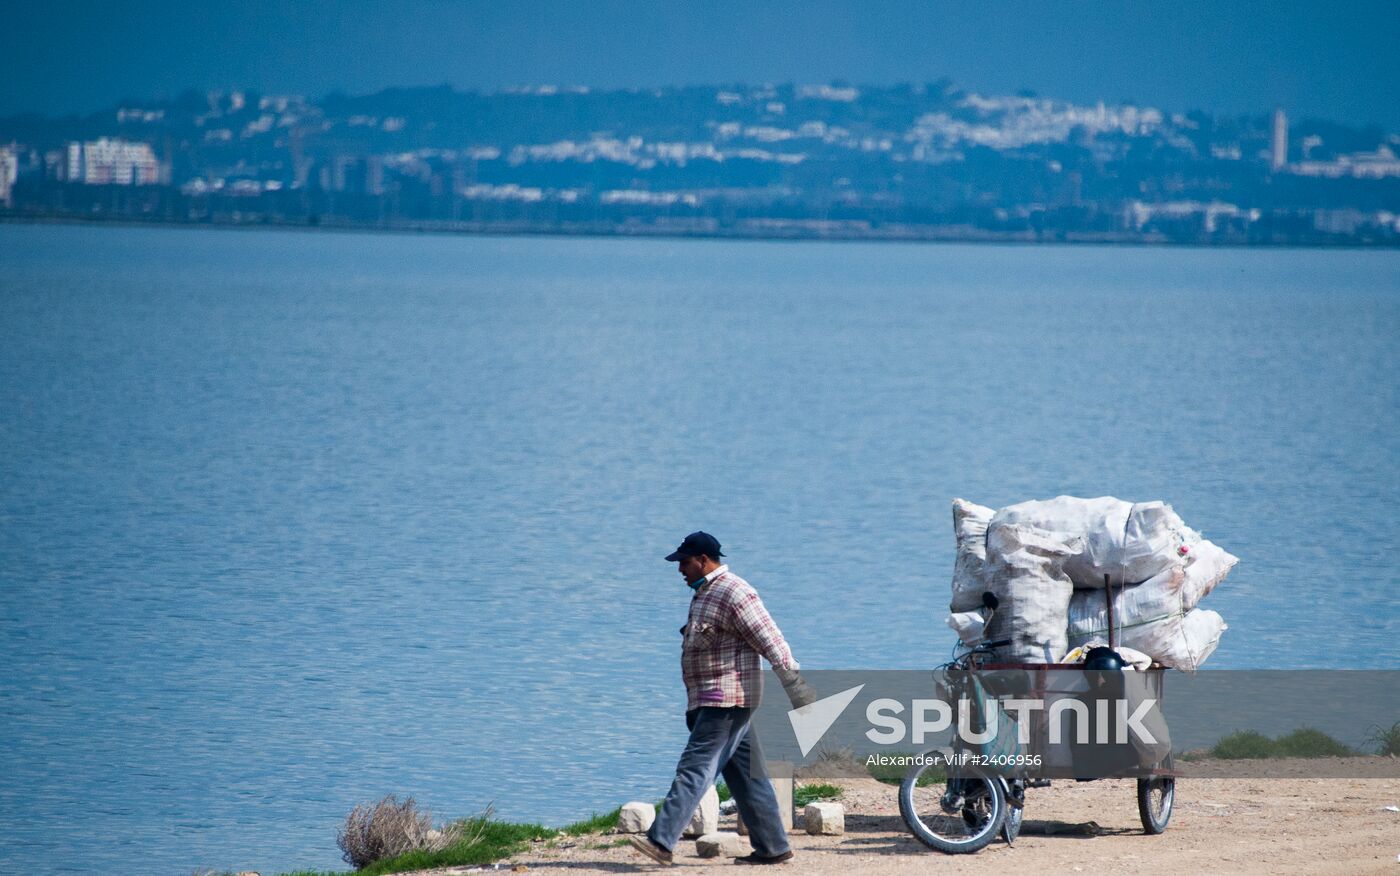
(695, 544)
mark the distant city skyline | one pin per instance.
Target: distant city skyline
(1328, 61)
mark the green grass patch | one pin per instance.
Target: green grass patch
(1386, 739)
(484, 842)
(1307, 742)
(594, 824)
(1244, 745)
(805, 794)
(1303, 742)
(723, 790)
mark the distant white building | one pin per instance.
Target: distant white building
(9, 172)
(112, 162)
(1278, 155)
(1363, 165)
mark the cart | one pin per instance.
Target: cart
(959, 802)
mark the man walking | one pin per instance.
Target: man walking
(726, 633)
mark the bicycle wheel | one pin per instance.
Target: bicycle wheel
(959, 816)
(1011, 827)
(1155, 798)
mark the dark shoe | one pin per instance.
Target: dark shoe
(756, 858)
(644, 845)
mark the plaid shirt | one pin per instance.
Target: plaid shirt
(727, 631)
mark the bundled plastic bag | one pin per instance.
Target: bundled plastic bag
(1160, 569)
(970, 566)
(969, 625)
(1182, 643)
(1025, 571)
(1152, 618)
(1206, 566)
(1129, 543)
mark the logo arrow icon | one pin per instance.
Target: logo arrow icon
(811, 722)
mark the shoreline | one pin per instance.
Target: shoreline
(1224, 820)
(1253, 826)
(896, 235)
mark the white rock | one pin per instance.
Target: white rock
(636, 817)
(706, 817)
(713, 845)
(824, 819)
(780, 773)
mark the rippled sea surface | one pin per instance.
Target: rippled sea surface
(290, 521)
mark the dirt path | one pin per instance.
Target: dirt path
(1329, 826)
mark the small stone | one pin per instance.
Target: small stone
(636, 817)
(713, 845)
(706, 817)
(824, 819)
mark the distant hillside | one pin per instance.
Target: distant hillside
(791, 160)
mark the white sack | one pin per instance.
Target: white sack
(1207, 564)
(1181, 643)
(1129, 543)
(969, 625)
(1025, 571)
(1155, 600)
(970, 566)
(1151, 618)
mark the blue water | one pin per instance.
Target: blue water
(290, 521)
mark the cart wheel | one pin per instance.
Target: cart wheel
(1011, 827)
(1155, 797)
(956, 816)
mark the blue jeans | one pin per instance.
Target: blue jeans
(720, 743)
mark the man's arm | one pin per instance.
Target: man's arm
(756, 627)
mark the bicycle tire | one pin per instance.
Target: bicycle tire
(936, 830)
(1156, 796)
(1011, 827)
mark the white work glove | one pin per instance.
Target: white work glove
(798, 691)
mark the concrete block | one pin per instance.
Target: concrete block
(714, 845)
(706, 817)
(781, 773)
(824, 819)
(636, 817)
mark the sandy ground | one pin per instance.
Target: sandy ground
(1302, 825)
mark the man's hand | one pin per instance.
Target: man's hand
(798, 691)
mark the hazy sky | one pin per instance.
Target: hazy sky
(1335, 60)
